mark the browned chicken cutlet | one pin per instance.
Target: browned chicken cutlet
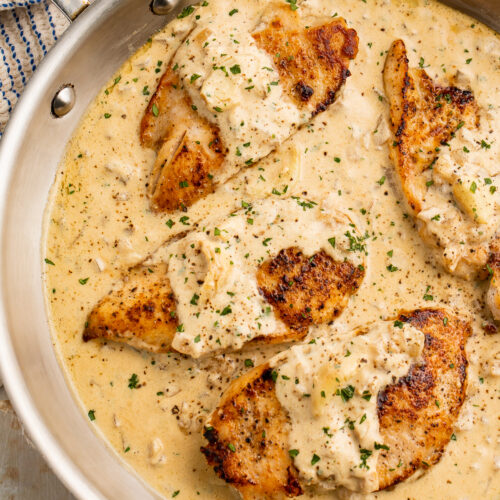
(313, 62)
(247, 433)
(453, 218)
(189, 149)
(313, 66)
(423, 117)
(142, 312)
(318, 288)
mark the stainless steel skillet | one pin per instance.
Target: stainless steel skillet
(103, 36)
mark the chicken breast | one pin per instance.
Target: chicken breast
(312, 61)
(318, 287)
(189, 149)
(446, 157)
(423, 117)
(140, 313)
(207, 124)
(249, 433)
(218, 289)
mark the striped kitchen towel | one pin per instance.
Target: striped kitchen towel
(28, 29)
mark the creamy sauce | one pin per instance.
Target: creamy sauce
(328, 391)
(99, 222)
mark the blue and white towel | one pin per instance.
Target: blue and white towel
(28, 29)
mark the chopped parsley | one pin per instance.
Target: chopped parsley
(356, 242)
(346, 393)
(133, 381)
(366, 395)
(186, 11)
(364, 456)
(427, 296)
(91, 415)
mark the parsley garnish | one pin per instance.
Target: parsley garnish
(133, 381)
(364, 456)
(227, 310)
(346, 393)
(186, 11)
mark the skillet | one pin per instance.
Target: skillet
(103, 36)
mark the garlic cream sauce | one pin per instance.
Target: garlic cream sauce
(150, 407)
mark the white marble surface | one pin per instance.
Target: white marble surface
(24, 475)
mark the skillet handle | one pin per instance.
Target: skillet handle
(72, 8)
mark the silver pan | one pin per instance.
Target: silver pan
(92, 49)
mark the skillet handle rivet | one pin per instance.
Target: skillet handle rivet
(63, 101)
(162, 7)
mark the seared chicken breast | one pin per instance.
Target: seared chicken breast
(140, 313)
(248, 435)
(189, 149)
(423, 117)
(197, 122)
(312, 61)
(447, 159)
(235, 287)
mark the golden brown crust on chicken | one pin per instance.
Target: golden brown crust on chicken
(417, 413)
(189, 148)
(423, 117)
(307, 290)
(312, 63)
(141, 313)
(416, 416)
(247, 439)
